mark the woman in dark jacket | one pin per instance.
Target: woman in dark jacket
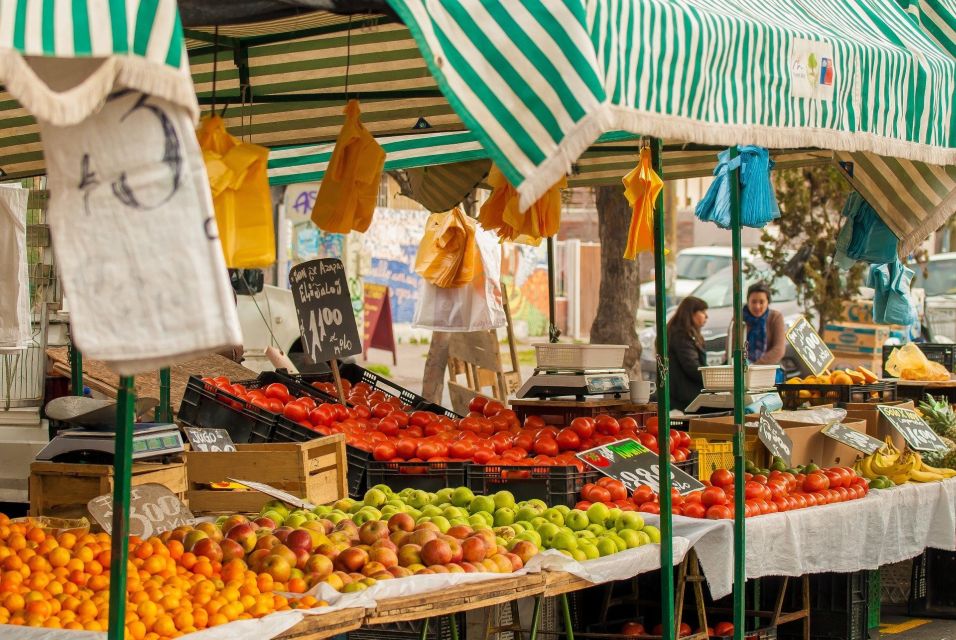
(685, 348)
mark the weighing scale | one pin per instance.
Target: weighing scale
(554, 383)
(724, 400)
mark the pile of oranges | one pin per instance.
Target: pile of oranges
(62, 582)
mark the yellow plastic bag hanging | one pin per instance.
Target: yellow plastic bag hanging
(910, 363)
(500, 212)
(642, 186)
(240, 191)
(349, 190)
(448, 254)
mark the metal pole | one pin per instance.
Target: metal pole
(553, 332)
(122, 465)
(663, 405)
(164, 413)
(740, 575)
(76, 370)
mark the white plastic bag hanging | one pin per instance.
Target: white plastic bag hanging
(135, 236)
(474, 307)
(15, 329)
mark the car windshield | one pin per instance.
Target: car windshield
(717, 290)
(938, 277)
(699, 267)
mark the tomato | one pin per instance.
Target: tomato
(722, 478)
(607, 425)
(724, 629)
(753, 490)
(515, 453)
(597, 494)
(295, 412)
(384, 451)
(618, 492)
(483, 455)
(844, 494)
(568, 440)
(428, 450)
(643, 494)
(680, 455)
(713, 496)
(534, 422)
(683, 630)
(278, 391)
(815, 481)
(492, 408)
(633, 629)
(477, 403)
(275, 405)
(406, 448)
(546, 446)
(648, 441)
(388, 426)
(685, 439)
(628, 422)
(525, 440)
(693, 510)
(650, 507)
(835, 477)
(718, 512)
(584, 427)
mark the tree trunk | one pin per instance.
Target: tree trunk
(616, 319)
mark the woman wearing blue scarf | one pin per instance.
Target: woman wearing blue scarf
(766, 333)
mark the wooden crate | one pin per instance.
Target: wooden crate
(62, 489)
(314, 470)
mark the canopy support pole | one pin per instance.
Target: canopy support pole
(76, 370)
(740, 548)
(663, 404)
(553, 332)
(119, 545)
(164, 413)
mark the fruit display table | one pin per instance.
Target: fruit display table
(325, 625)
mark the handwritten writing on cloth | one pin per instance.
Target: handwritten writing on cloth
(135, 236)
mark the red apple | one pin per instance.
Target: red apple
(299, 539)
(232, 550)
(265, 523)
(277, 567)
(319, 565)
(401, 522)
(410, 554)
(372, 531)
(473, 549)
(352, 559)
(208, 549)
(436, 552)
(385, 557)
(245, 535)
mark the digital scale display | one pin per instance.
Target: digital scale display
(155, 444)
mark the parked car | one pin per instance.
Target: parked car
(938, 281)
(694, 265)
(717, 291)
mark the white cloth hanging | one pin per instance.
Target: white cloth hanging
(14, 279)
(135, 236)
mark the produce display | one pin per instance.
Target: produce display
(889, 466)
(860, 375)
(773, 493)
(720, 630)
(939, 415)
(62, 581)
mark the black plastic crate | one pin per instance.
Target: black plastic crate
(933, 586)
(211, 407)
(285, 430)
(839, 606)
(357, 476)
(438, 629)
(945, 354)
(427, 476)
(690, 465)
(555, 485)
(882, 391)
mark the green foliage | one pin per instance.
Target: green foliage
(380, 369)
(811, 199)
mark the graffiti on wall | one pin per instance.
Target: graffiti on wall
(391, 245)
(525, 273)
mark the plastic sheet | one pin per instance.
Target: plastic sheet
(642, 187)
(758, 204)
(501, 213)
(447, 254)
(864, 236)
(910, 363)
(891, 293)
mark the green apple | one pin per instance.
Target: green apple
(598, 513)
(335, 517)
(295, 520)
(584, 534)
(547, 531)
(276, 517)
(457, 521)
(526, 513)
(481, 519)
(606, 546)
(504, 500)
(389, 510)
(538, 504)
(344, 505)
(454, 512)
(505, 532)
(563, 508)
(356, 506)
(645, 539)
(396, 502)
(417, 499)
(564, 540)
(442, 523)
(504, 516)
(653, 533)
(484, 504)
(553, 516)
(414, 513)
(322, 510)
(590, 550)
(579, 555)
(462, 496)
(630, 538)
(576, 520)
(631, 520)
(431, 510)
(597, 529)
(375, 498)
(444, 496)
(530, 535)
(275, 505)
(613, 515)
(501, 542)
(384, 488)
(618, 540)
(537, 521)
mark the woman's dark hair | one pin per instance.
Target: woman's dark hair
(760, 287)
(682, 322)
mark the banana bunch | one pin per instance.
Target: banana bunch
(889, 466)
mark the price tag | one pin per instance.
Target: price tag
(276, 493)
(209, 439)
(918, 434)
(634, 465)
(323, 304)
(153, 509)
(852, 438)
(772, 435)
(809, 346)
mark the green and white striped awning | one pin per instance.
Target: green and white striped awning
(539, 82)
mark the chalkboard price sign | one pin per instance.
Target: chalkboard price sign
(209, 439)
(852, 438)
(772, 435)
(634, 465)
(809, 346)
(153, 509)
(320, 292)
(918, 434)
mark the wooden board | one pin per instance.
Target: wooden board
(480, 348)
(560, 582)
(325, 625)
(462, 598)
(314, 470)
(98, 376)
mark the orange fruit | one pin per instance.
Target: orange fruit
(164, 625)
(36, 534)
(58, 557)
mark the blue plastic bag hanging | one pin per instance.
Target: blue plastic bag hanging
(864, 235)
(758, 204)
(891, 293)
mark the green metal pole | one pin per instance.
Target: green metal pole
(553, 332)
(76, 370)
(740, 575)
(663, 406)
(164, 412)
(122, 465)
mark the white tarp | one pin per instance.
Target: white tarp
(14, 279)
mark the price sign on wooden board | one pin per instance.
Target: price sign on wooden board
(153, 509)
(809, 346)
(278, 494)
(209, 439)
(634, 465)
(918, 434)
(323, 304)
(772, 435)
(852, 438)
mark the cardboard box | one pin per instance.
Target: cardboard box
(838, 454)
(807, 440)
(860, 311)
(856, 337)
(876, 425)
(844, 360)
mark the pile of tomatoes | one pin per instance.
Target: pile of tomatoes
(773, 493)
(489, 434)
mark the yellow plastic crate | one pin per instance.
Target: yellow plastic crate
(712, 456)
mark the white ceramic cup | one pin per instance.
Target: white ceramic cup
(640, 391)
